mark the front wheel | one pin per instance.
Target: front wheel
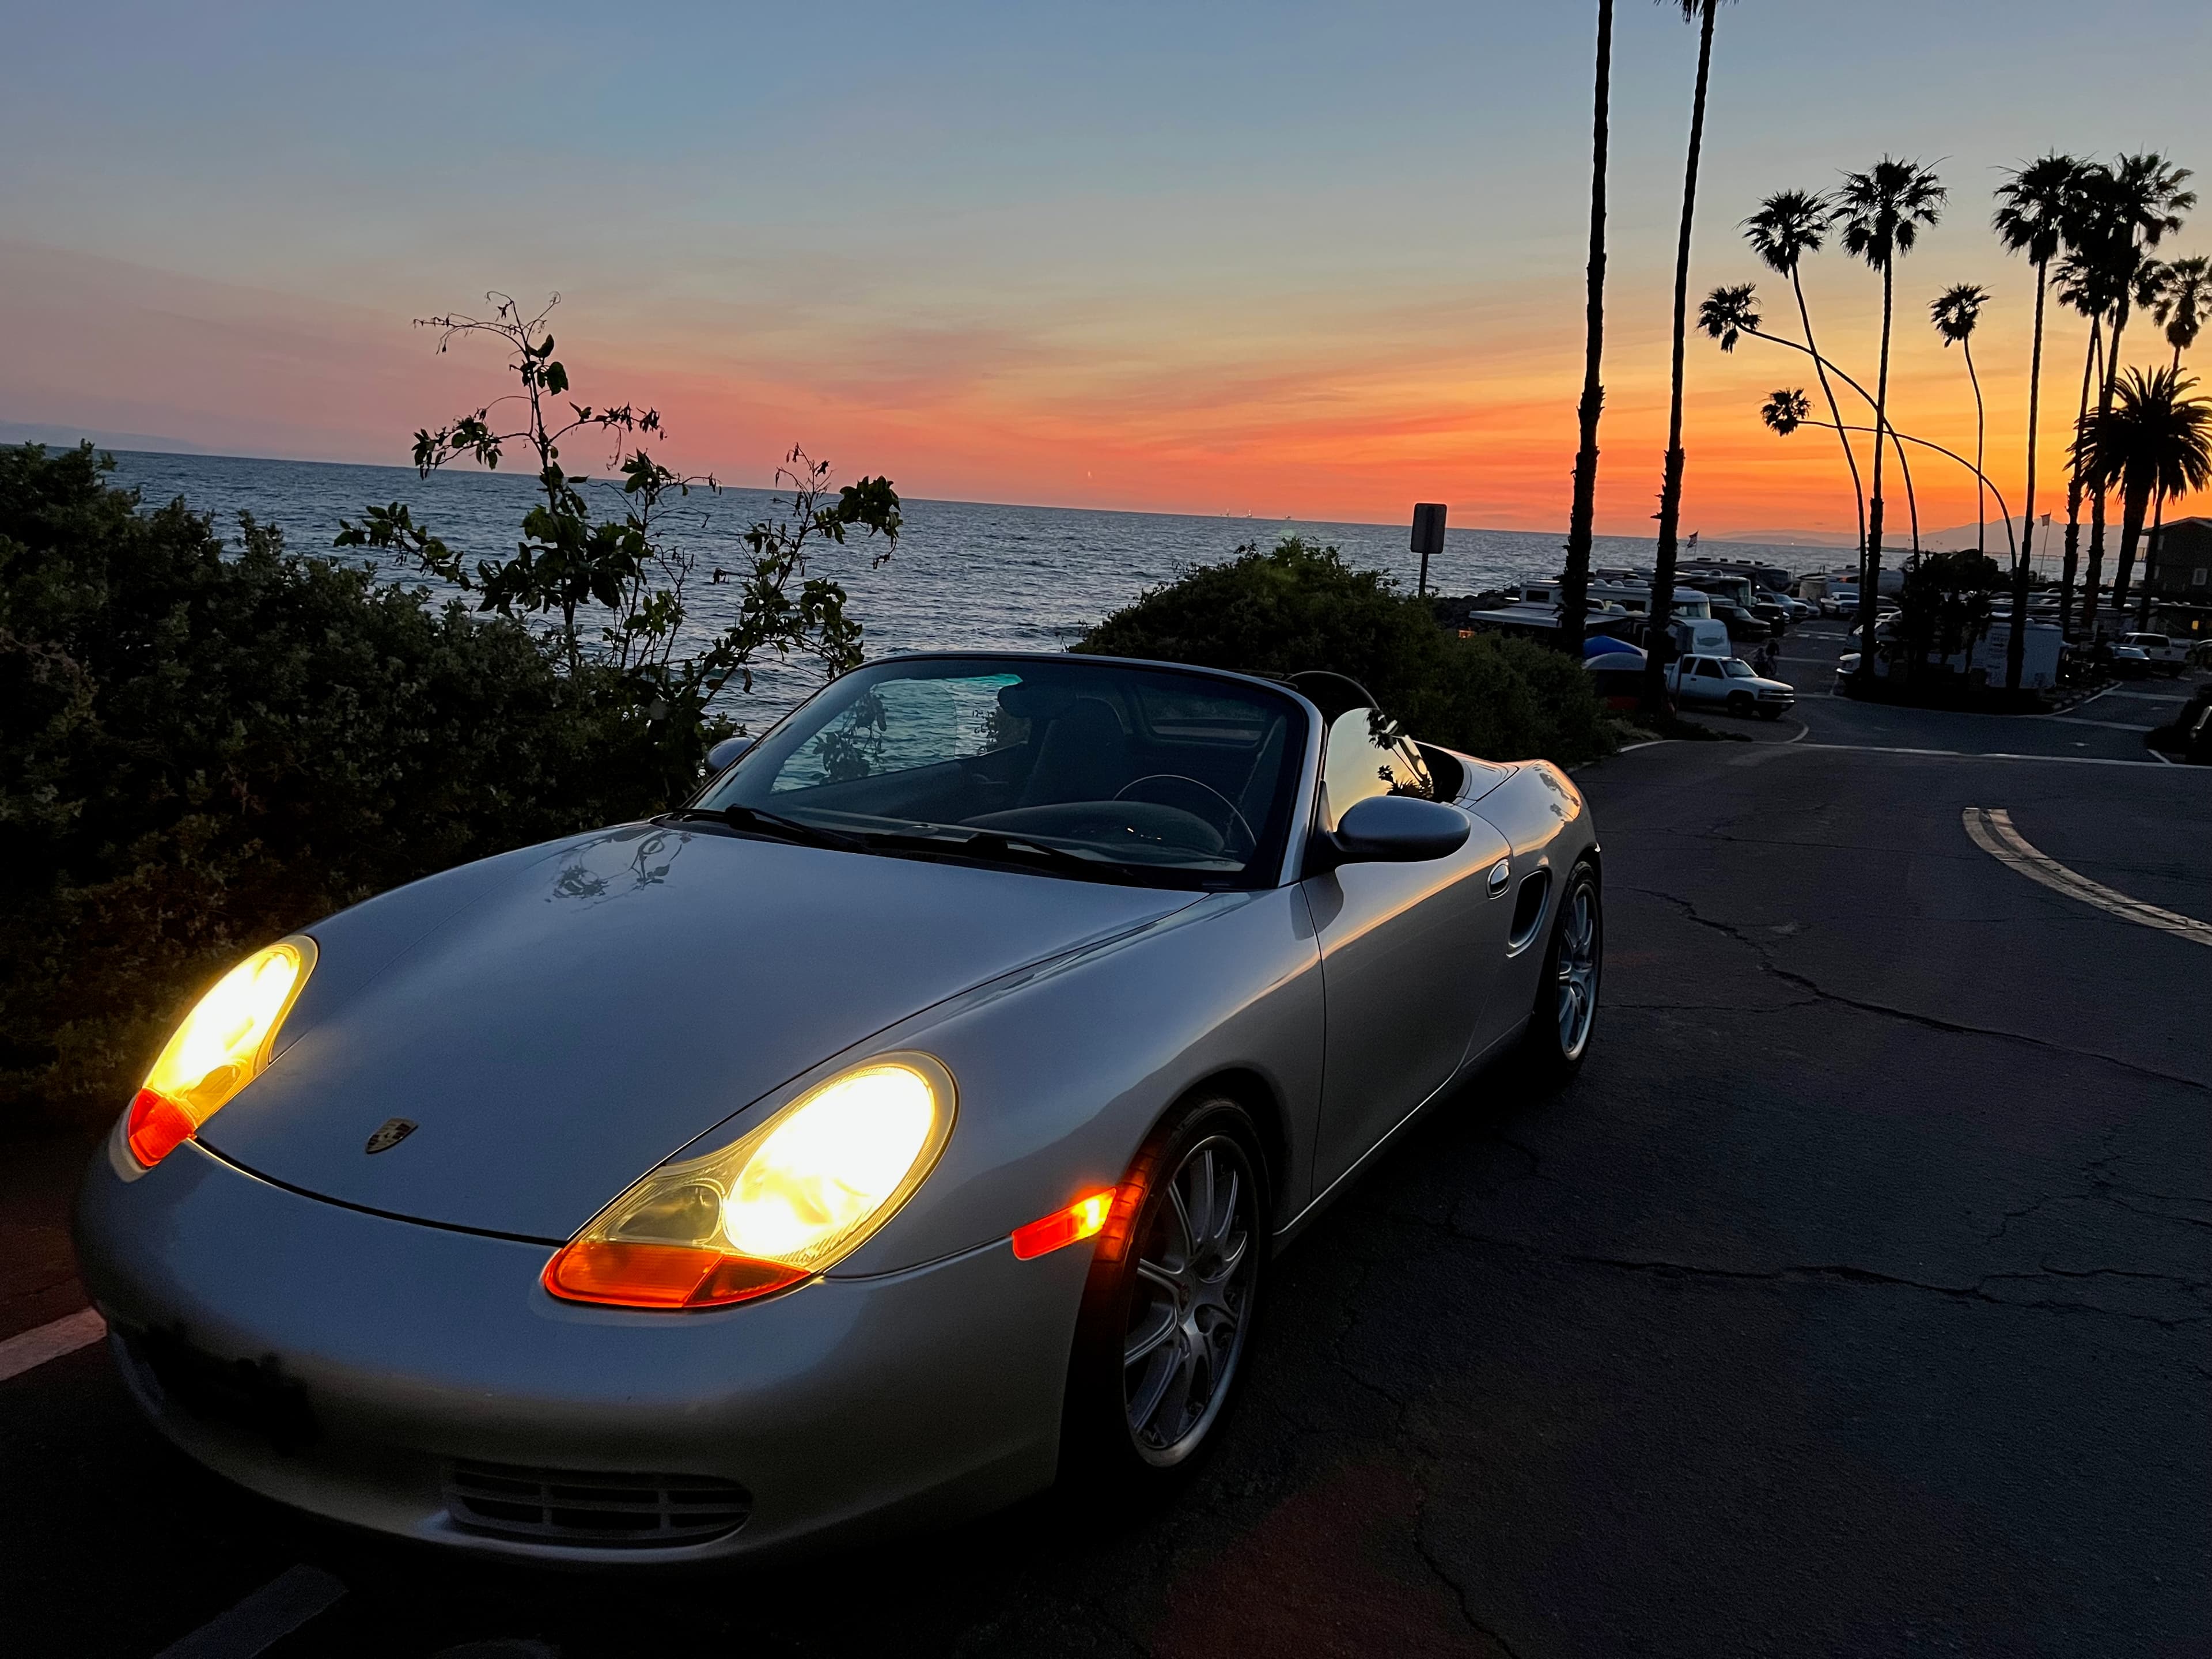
(1739, 704)
(1168, 1307)
(1565, 1015)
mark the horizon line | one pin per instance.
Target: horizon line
(186, 450)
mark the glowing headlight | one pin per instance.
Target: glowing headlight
(222, 1046)
(778, 1206)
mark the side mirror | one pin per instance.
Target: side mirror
(1393, 830)
(725, 751)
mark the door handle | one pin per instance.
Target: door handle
(1501, 877)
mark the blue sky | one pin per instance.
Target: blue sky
(990, 244)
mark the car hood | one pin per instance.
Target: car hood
(557, 1022)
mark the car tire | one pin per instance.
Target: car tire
(1739, 704)
(1165, 1336)
(1558, 1042)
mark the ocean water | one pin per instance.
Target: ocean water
(967, 574)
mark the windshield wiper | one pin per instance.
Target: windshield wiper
(994, 844)
(772, 824)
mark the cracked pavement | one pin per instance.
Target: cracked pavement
(1856, 1299)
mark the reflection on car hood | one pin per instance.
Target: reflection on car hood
(559, 1022)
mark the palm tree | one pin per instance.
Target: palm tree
(1956, 312)
(2131, 205)
(1730, 311)
(1787, 410)
(1880, 212)
(2152, 441)
(2082, 287)
(2184, 295)
(2182, 302)
(2033, 206)
(1789, 225)
(1574, 583)
(1702, 13)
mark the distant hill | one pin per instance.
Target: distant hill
(57, 433)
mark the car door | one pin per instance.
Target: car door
(1409, 952)
(1704, 683)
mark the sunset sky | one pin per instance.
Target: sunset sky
(1321, 260)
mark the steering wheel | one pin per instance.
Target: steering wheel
(1236, 817)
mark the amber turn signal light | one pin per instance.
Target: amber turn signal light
(157, 1127)
(1078, 1221)
(620, 1275)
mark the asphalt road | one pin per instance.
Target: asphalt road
(1854, 1301)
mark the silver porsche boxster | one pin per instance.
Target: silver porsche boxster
(908, 1121)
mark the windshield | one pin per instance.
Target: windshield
(1065, 766)
(1737, 669)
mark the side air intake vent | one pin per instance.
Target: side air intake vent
(1528, 909)
(567, 1506)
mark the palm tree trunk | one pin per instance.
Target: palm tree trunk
(2150, 556)
(2016, 648)
(1870, 571)
(1574, 584)
(1981, 429)
(1659, 639)
(1835, 411)
(2134, 507)
(2097, 496)
(2074, 485)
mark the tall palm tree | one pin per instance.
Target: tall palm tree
(2033, 207)
(1956, 312)
(1789, 225)
(1880, 212)
(2184, 296)
(1574, 584)
(1702, 12)
(2132, 205)
(2153, 440)
(2082, 287)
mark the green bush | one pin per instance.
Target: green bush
(1301, 606)
(202, 749)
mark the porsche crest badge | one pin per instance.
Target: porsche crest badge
(389, 1133)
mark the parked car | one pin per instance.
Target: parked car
(1728, 683)
(1743, 627)
(910, 1120)
(2169, 656)
(2126, 662)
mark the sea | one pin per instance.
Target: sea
(966, 574)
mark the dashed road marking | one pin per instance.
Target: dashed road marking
(262, 1618)
(1990, 829)
(31, 1349)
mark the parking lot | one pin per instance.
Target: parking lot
(1855, 1300)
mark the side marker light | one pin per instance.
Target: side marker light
(1078, 1221)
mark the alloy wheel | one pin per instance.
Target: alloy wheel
(1192, 1303)
(1576, 1004)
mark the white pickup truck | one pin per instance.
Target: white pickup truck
(2167, 655)
(1728, 683)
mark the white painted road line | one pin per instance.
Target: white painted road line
(262, 1618)
(1975, 754)
(67, 1334)
(1990, 829)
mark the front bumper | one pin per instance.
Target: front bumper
(358, 1360)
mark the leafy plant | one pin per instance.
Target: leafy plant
(571, 567)
(1299, 605)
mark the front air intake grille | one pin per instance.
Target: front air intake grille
(569, 1506)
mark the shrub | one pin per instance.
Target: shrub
(1300, 605)
(202, 749)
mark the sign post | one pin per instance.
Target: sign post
(1428, 537)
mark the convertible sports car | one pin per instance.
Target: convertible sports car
(908, 1121)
